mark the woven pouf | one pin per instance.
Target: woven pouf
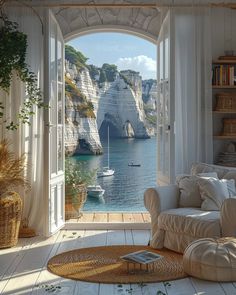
(211, 259)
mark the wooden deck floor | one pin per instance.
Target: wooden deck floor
(23, 268)
(110, 220)
(114, 217)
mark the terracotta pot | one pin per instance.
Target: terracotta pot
(74, 202)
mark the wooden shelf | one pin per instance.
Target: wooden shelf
(224, 62)
(223, 87)
(224, 112)
(224, 137)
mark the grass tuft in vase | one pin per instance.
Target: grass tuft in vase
(77, 177)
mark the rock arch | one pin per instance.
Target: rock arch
(109, 120)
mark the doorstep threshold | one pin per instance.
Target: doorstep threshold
(110, 220)
(70, 225)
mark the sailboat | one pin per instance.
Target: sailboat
(107, 171)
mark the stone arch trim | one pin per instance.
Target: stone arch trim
(112, 29)
(142, 22)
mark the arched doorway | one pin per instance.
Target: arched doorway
(125, 122)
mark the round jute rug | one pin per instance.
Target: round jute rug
(103, 265)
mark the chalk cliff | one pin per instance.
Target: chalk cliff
(106, 96)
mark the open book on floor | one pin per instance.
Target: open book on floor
(142, 257)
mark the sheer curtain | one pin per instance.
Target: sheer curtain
(193, 123)
(28, 139)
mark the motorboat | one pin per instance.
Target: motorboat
(134, 165)
(95, 191)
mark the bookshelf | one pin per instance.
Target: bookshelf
(223, 86)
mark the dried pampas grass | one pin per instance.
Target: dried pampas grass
(11, 169)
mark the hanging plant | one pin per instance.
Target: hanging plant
(13, 48)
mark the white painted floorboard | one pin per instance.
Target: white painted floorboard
(23, 268)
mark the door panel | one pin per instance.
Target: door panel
(165, 130)
(54, 126)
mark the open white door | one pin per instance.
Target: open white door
(165, 104)
(54, 126)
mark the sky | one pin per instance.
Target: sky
(125, 51)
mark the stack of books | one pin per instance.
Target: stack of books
(224, 75)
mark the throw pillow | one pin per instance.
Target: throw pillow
(189, 189)
(230, 175)
(214, 192)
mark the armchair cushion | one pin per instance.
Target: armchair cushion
(214, 192)
(179, 227)
(189, 189)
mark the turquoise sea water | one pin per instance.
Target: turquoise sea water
(124, 190)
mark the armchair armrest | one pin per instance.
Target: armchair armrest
(161, 198)
(156, 200)
(227, 218)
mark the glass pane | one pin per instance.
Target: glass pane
(53, 74)
(166, 58)
(60, 148)
(59, 60)
(166, 154)
(166, 87)
(161, 60)
(53, 77)
(160, 148)
(53, 154)
(60, 105)
(161, 106)
(53, 104)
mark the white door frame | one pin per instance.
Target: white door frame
(165, 122)
(54, 189)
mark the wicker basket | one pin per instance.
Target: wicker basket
(229, 128)
(226, 102)
(74, 203)
(10, 218)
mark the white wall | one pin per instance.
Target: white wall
(223, 31)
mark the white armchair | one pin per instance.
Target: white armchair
(174, 228)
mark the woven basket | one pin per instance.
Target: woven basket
(74, 203)
(10, 218)
(226, 102)
(229, 127)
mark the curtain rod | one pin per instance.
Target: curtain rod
(127, 5)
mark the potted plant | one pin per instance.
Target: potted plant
(76, 180)
(11, 177)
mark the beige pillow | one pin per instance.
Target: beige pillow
(189, 189)
(214, 192)
(230, 175)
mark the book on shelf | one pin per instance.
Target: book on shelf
(142, 257)
(223, 75)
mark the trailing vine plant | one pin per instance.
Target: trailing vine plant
(13, 48)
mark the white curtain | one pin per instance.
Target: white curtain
(193, 137)
(28, 139)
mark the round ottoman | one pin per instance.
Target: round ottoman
(211, 259)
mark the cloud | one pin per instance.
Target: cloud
(141, 63)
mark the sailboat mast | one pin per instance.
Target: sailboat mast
(108, 147)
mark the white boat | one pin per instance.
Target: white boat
(107, 171)
(95, 191)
